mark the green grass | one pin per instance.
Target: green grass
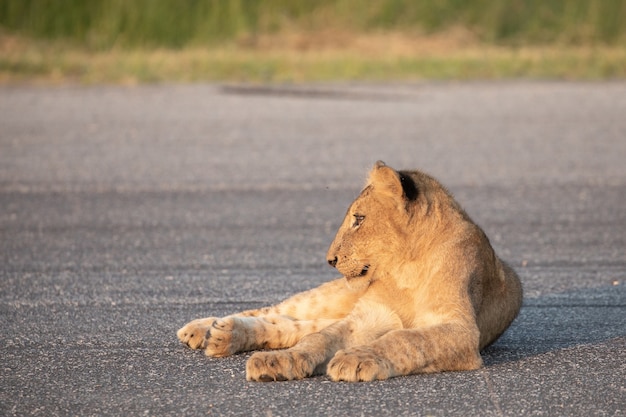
(104, 24)
(135, 41)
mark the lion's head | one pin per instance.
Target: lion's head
(383, 226)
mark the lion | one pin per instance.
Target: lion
(422, 291)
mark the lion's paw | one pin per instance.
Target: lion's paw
(279, 366)
(194, 333)
(219, 337)
(358, 364)
(220, 340)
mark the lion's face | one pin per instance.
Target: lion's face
(373, 230)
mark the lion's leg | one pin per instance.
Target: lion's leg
(330, 300)
(239, 334)
(364, 324)
(302, 314)
(446, 347)
(229, 335)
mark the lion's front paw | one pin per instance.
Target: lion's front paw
(358, 364)
(279, 366)
(194, 334)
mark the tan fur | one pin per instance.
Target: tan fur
(422, 291)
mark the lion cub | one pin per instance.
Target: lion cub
(422, 291)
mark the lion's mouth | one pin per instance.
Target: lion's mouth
(356, 273)
(360, 279)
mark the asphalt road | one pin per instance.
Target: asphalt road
(126, 212)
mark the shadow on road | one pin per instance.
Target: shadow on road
(560, 321)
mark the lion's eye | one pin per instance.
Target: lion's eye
(358, 219)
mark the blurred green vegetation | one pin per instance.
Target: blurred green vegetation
(105, 24)
(135, 41)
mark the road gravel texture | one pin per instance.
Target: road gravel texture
(127, 211)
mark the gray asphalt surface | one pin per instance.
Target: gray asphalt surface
(126, 212)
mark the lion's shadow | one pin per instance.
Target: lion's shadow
(563, 320)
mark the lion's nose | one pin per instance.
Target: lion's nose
(333, 262)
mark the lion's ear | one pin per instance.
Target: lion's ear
(385, 179)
